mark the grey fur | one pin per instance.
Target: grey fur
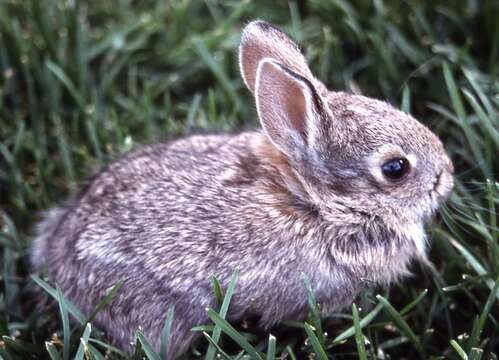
(303, 197)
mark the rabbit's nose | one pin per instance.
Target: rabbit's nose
(448, 166)
(444, 182)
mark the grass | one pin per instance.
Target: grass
(83, 81)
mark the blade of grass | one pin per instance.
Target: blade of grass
(203, 52)
(66, 81)
(494, 258)
(314, 307)
(459, 350)
(110, 348)
(193, 111)
(476, 354)
(401, 324)
(52, 351)
(210, 354)
(366, 320)
(83, 348)
(220, 352)
(105, 301)
(95, 354)
(233, 334)
(470, 76)
(90, 126)
(314, 341)
(295, 21)
(413, 303)
(475, 264)
(21, 347)
(146, 347)
(359, 337)
(488, 127)
(478, 328)
(271, 347)
(53, 292)
(205, 328)
(65, 151)
(458, 105)
(406, 100)
(65, 324)
(290, 352)
(165, 334)
(217, 290)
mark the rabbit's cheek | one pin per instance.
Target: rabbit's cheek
(415, 234)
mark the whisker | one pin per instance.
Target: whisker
(451, 223)
(460, 212)
(477, 165)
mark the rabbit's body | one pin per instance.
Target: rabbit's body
(169, 216)
(136, 221)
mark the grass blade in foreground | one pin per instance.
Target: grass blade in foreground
(475, 264)
(271, 347)
(146, 347)
(65, 324)
(102, 304)
(95, 354)
(314, 341)
(476, 354)
(314, 307)
(401, 324)
(109, 348)
(459, 350)
(219, 349)
(359, 337)
(51, 349)
(166, 333)
(83, 348)
(363, 323)
(414, 302)
(53, 292)
(478, 328)
(217, 290)
(223, 312)
(233, 334)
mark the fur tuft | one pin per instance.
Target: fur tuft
(44, 231)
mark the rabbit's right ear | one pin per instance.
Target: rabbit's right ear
(261, 40)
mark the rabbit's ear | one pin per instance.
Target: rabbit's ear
(261, 40)
(289, 108)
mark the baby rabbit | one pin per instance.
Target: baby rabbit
(336, 186)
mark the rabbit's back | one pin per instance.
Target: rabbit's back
(144, 205)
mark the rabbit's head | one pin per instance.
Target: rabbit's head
(354, 156)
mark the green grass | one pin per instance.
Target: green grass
(83, 81)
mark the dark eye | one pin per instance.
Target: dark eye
(395, 169)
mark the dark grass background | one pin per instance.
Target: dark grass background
(83, 81)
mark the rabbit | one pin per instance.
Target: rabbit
(335, 186)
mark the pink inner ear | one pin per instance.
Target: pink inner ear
(281, 97)
(296, 108)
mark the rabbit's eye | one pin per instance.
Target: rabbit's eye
(395, 169)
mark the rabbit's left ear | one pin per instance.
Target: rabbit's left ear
(261, 40)
(289, 108)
